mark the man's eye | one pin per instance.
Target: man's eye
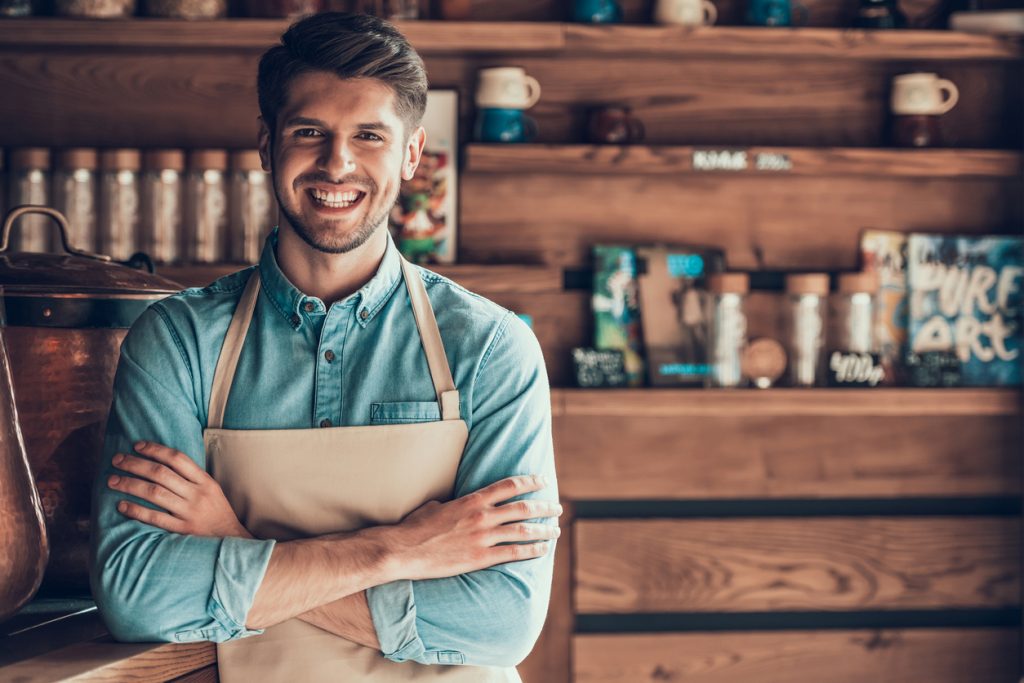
(370, 136)
(307, 133)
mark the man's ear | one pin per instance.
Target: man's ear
(413, 153)
(264, 145)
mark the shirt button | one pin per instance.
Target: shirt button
(325, 422)
(295, 319)
(364, 314)
(329, 355)
(308, 307)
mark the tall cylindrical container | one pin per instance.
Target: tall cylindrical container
(853, 308)
(206, 224)
(253, 207)
(29, 178)
(163, 204)
(728, 327)
(804, 314)
(120, 195)
(76, 194)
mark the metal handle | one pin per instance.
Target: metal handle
(62, 222)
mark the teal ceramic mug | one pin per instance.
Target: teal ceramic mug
(504, 125)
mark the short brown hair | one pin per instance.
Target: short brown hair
(349, 46)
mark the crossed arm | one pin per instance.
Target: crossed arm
(435, 541)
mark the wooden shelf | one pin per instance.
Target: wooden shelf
(434, 37)
(776, 43)
(803, 161)
(488, 279)
(429, 37)
(888, 402)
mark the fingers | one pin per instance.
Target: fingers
(525, 509)
(143, 514)
(180, 463)
(523, 532)
(148, 491)
(516, 552)
(509, 488)
(154, 472)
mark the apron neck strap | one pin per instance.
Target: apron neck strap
(430, 337)
(224, 375)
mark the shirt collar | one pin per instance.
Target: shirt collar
(297, 307)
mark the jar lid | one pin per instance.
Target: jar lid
(246, 160)
(120, 160)
(729, 283)
(77, 157)
(208, 160)
(29, 158)
(807, 283)
(164, 159)
(852, 283)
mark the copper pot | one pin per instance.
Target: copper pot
(22, 533)
(66, 316)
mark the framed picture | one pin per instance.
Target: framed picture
(423, 220)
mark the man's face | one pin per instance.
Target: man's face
(338, 158)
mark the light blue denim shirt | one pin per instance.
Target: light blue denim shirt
(151, 585)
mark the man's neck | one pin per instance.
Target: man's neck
(329, 277)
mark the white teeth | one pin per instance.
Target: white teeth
(335, 199)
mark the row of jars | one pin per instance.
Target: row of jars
(206, 9)
(200, 206)
(822, 330)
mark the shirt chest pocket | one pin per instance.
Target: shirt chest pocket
(400, 412)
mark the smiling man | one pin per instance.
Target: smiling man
(335, 464)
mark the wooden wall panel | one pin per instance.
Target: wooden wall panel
(878, 656)
(636, 457)
(208, 98)
(753, 565)
(771, 223)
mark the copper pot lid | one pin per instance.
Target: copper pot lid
(73, 289)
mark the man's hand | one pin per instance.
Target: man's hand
(193, 500)
(438, 540)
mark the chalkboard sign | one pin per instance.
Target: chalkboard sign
(599, 368)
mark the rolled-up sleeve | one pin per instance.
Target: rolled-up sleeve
(490, 617)
(151, 585)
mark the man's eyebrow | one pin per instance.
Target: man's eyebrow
(303, 121)
(375, 125)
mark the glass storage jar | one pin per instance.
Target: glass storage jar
(806, 306)
(207, 206)
(253, 207)
(29, 183)
(75, 194)
(727, 326)
(119, 202)
(163, 199)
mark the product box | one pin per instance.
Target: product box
(616, 307)
(672, 312)
(885, 252)
(965, 316)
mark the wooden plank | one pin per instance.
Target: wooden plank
(797, 43)
(773, 457)
(207, 675)
(259, 34)
(879, 656)
(676, 160)
(760, 223)
(764, 565)
(549, 662)
(802, 403)
(106, 661)
(483, 279)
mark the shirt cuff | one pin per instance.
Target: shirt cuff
(393, 610)
(241, 564)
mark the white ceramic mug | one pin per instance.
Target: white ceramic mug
(685, 12)
(506, 87)
(923, 93)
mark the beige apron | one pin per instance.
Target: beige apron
(297, 483)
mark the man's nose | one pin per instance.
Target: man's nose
(337, 159)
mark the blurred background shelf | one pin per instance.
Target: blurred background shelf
(805, 161)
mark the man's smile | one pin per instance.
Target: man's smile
(336, 200)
